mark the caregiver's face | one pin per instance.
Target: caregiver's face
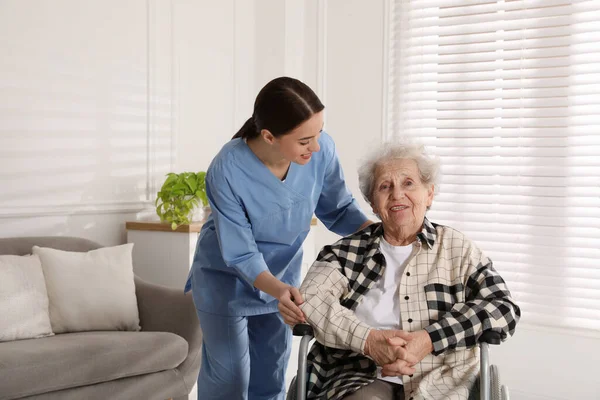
(298, 145)
(399, 197)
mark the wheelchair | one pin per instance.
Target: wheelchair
(490, 387)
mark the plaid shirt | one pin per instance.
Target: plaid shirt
(449, 288)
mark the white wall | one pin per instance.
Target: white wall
(547, 363)
(353, 92)
(204, 74)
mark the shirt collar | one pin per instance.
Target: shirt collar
(428, 233)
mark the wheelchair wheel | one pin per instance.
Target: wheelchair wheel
(495, 386)
(292, 391)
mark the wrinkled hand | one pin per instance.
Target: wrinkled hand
(388, 346)
(289, 300)
(418, 346)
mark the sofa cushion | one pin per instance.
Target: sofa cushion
(34, 366)
(91, 291)
(23, 299)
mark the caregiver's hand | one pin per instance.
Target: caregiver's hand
(289, 297)
(289, 300)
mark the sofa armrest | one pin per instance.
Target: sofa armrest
(163, 309)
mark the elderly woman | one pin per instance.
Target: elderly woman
(398, 307)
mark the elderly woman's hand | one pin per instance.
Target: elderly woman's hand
(383, 351)
(419, 345)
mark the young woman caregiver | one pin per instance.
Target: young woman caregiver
(263, 188)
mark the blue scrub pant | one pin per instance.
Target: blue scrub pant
(243, 358)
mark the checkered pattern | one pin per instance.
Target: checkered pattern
(449, 288)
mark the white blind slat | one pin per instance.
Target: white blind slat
(504, 21)
(425, 37)
(519, 132)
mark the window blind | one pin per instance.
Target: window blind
(507, 94)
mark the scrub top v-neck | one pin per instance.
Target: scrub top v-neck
(259, 222)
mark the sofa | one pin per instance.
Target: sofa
(161, 361)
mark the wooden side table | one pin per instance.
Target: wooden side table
(162, 255)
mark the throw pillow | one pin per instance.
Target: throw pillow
(23, 299)
(90, 291)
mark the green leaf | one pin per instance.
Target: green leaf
(171, 178)
(179, 195)
(179, 186)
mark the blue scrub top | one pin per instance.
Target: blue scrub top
(259, 223)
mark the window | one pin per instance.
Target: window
(507, 93)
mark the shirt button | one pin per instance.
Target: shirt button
(406, 297)
(410, 320)
(410, 376)
(408, 274)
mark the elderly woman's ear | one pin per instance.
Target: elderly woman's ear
(431, 193)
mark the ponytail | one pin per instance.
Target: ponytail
(248, 130)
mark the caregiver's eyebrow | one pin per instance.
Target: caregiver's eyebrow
(310, 137)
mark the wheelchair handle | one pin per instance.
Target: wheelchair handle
(490, 337)
(303, 330)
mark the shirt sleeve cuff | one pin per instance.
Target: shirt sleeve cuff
(439, 337)
(251, 268)
(359, 338)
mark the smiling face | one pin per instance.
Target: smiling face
(298, 145)
(400, 199)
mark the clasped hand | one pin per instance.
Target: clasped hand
(397, 351)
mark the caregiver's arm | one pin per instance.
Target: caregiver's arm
(234, 232)
(337, 208)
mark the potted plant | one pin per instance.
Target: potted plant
(180, 196)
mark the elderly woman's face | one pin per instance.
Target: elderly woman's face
(399, 197)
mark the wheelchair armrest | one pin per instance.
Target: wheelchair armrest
(303, 330)
(490, 337)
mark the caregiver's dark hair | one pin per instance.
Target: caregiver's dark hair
(283, 104)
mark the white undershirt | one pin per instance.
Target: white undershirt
(380, 307)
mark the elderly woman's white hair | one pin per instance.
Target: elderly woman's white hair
(399, 149)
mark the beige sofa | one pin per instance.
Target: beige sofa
(159, 362)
